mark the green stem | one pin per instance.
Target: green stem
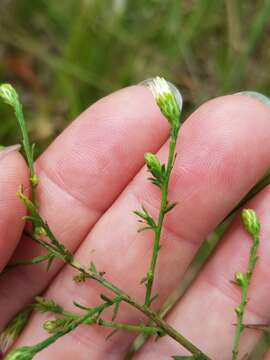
(162, 212)
(169, 330)
(26, 143)
(244, 299)
(59, 250)
(28, 149)
(198, 261)
(151, 330)
(240, 326)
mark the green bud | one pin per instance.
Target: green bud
(58, 324)
(153, 164)
(251, 222)
(79, 278)
(43, 305)
(34, 180)
(23, 353)
(238, 310)
(51, 326)
(9, 95)
(40, 231)
(240, 278)
(166, 100)
(13, 330)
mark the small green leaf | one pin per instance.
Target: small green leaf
(50, 261)
(154, 298)
(144, 229)
(143, 280)
(115, 310)
(106, 299)
(93, 268)
(82, 307)
(146, 217)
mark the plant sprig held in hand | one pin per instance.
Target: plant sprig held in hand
(42, 234)
(171, 107)
(252, 225)
(11, 98)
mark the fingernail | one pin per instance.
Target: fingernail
(262, 98)
(172, 87)
(8, 149)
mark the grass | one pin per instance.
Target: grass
(63, 56)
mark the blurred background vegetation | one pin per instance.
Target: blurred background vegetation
(64, 55)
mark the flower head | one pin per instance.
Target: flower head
(166, 99)
(9, 95)
(13, 330)
(251, 222)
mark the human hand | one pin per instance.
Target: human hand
(90, 182)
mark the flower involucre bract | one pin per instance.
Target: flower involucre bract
(166, 99)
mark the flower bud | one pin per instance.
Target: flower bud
(40, 231)
(9, 95)
(23, 353)
(240, 278)
(251, 222)
(166, 100)
(50, 326)
(34, 180)
(13, 330)
(238, 310)
(153, 164)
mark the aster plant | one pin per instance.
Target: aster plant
(169, 102)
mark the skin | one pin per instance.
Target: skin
(92, 178)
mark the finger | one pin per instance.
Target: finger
(13, 173)
(217, 145)
(207, 310)
(81, 174)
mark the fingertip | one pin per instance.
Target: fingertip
(110, 137)
(14, 172)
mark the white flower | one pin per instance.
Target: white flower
(159, 87)
(167, 98)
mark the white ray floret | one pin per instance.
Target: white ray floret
(167, 98)
(159, 87)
